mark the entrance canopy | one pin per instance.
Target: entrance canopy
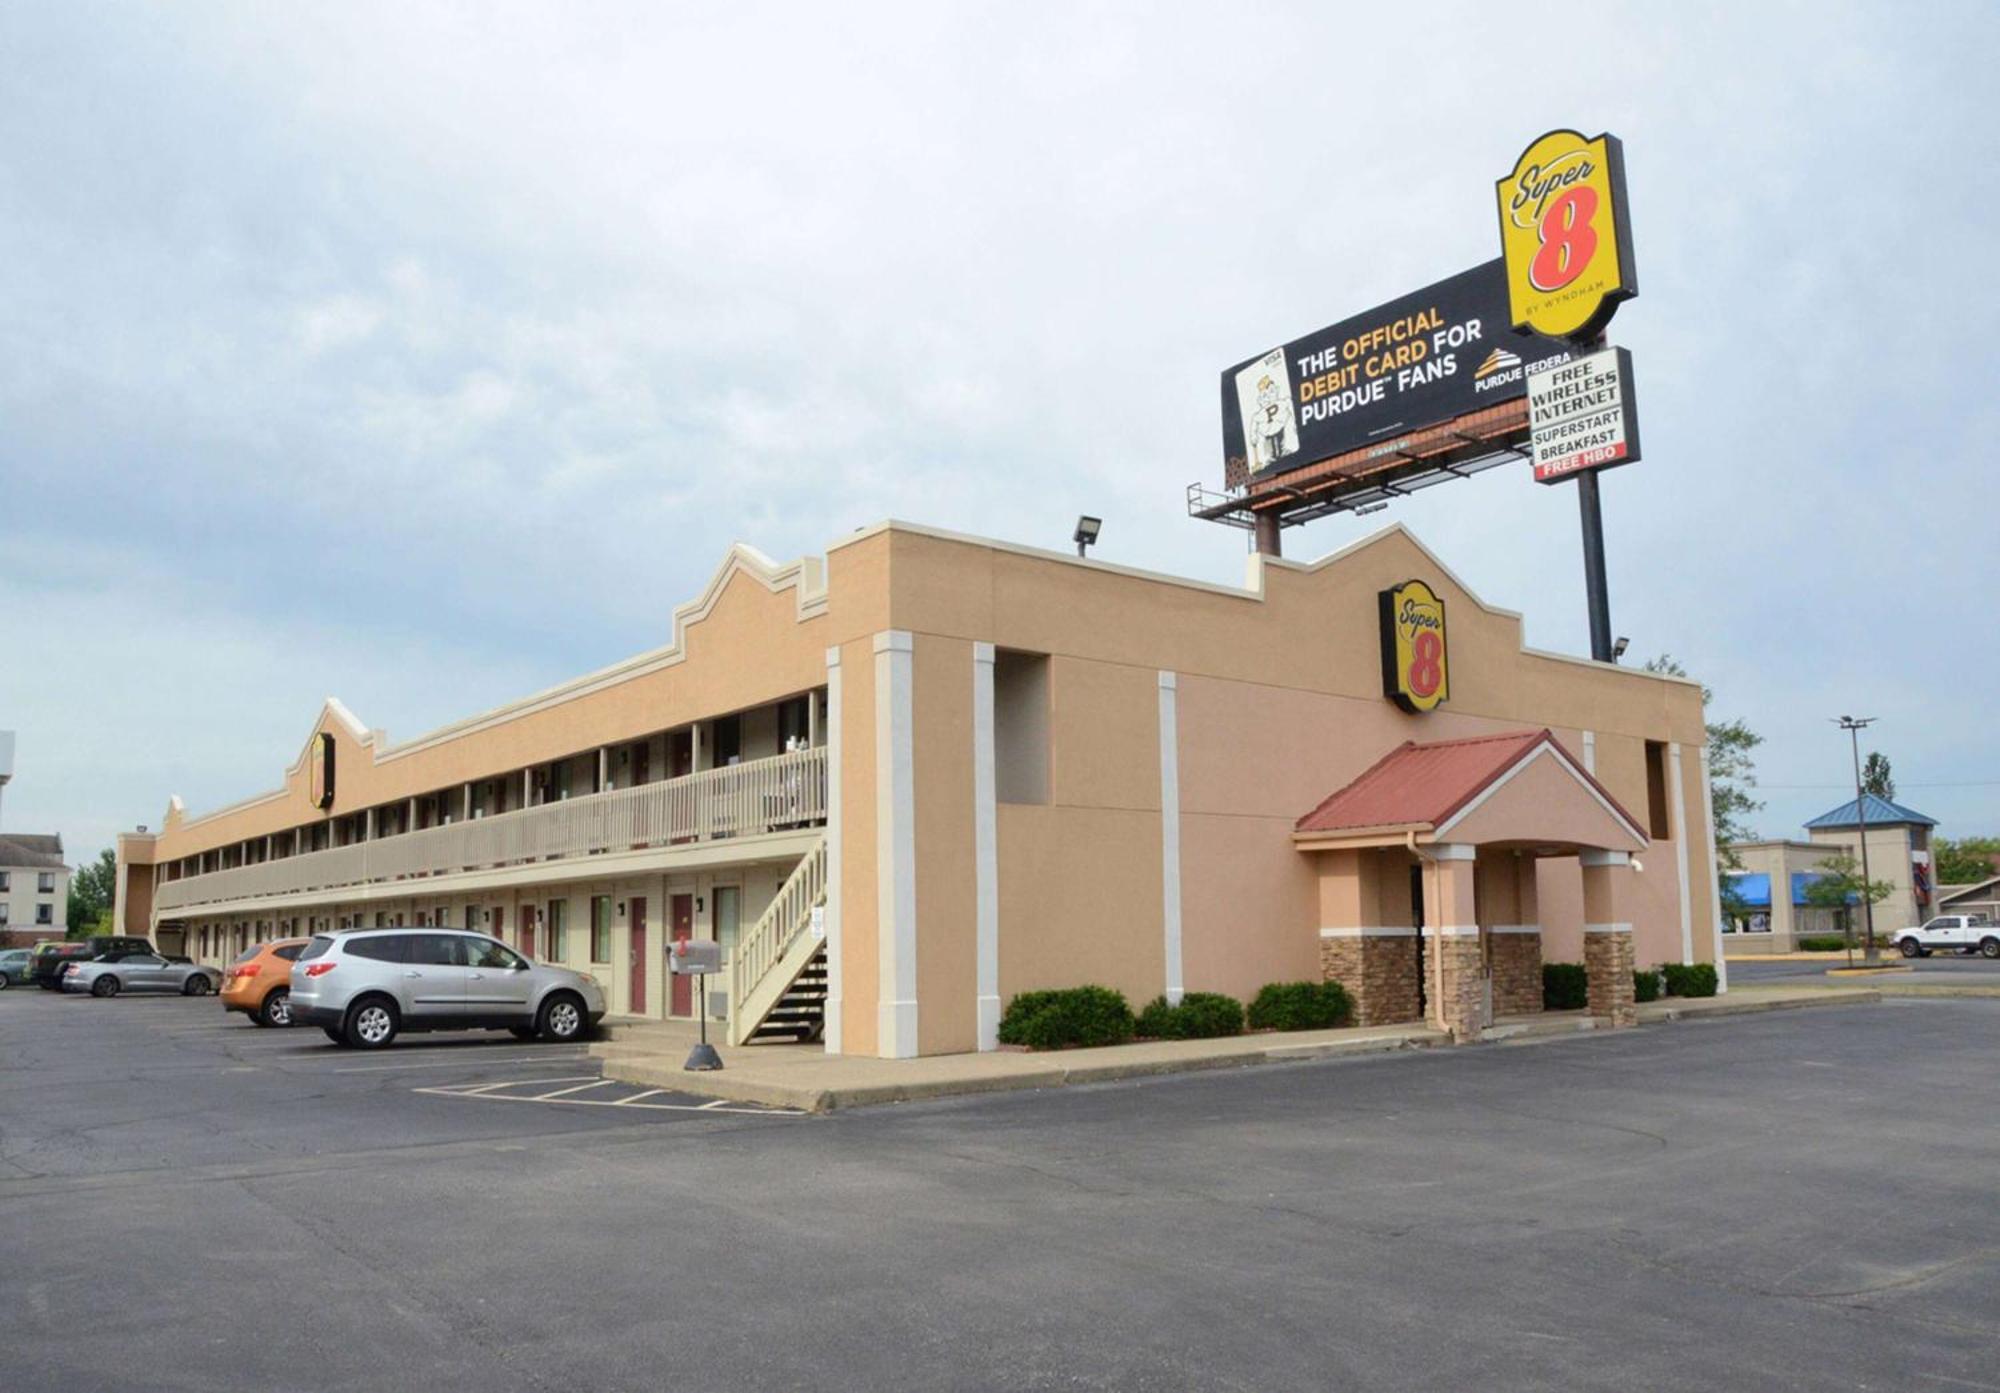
(1517, 790)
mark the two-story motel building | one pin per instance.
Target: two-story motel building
(908, 781)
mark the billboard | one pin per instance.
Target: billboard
(1582, 415)
(1564, 235)
(1415, 362)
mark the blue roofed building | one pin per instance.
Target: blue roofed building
(1773, 913)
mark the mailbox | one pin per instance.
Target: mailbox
(692, 957)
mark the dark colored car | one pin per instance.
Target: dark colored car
(46, 967)
(51, 958)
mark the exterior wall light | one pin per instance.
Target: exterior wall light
(1087, 528)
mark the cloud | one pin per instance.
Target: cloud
(421, 327)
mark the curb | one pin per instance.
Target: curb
(1661, 1011)
(659, 1072)
(628, 1065)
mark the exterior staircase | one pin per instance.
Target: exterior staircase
(778, 974)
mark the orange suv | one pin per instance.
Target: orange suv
(259, 982)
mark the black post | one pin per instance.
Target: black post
(1871, 957)
(1594, 584)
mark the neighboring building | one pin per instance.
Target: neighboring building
(904, 783)
(1899, 852)
(1771, 892)
(34, 889)
(1980, 897)
(1772, 882)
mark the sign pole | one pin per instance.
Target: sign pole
(1595, 587)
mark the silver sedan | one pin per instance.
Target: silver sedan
(145, 973)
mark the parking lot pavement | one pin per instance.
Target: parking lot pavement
(1786, 1200)
(143, 1083)
(1936, 968)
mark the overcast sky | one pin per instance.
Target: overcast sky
(424, 355)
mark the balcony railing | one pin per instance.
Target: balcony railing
(765, 795)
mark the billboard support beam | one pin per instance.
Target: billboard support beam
(1267, 535)
(1595, 588)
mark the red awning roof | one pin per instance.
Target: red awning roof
(1424, 785)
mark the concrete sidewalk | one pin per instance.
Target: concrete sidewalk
(807, 1078)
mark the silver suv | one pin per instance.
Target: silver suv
(364, 986)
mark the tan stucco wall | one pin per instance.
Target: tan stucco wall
(1279, 703)
(749, 648)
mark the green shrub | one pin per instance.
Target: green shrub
(1822, 943)
(1051, 1020)
(1200, 1016)
(1685, 979)
(1565, 987)
(1301, 1006)
(1645, 984)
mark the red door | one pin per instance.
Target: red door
(527, 931)
(683, 928)
(636, 944)
(500, 922)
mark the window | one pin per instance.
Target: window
(1021, 727)
(435, 950)
(383, 948)
(792, 721)
(728, 917)
(6, 881)
(3, 910)
(600, 928)
(558, 931)
(471, 917)
(484, 952)
(1661, 826)
(45, 883)
(728, 732)
(316, 948)
(45, 914)
(290, 952)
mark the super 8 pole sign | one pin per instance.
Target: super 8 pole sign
(1414, 657)
(1564, 235)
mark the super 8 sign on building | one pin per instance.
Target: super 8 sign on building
(1415, 674)
(1564, 235)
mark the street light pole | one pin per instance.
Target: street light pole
(1854, 726)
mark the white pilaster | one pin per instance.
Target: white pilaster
(834, 962)
(1675, 791)
(1170, 833)
(1714, 875)
(896, 843)
(985, 850)
(1590, 752)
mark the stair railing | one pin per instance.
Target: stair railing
(778, 927)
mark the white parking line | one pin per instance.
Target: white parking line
(717, 1106)
(469, 1062)
(628, 1102)
(565, 1092)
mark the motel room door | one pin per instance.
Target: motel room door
(635, 943)
(682, 927)
(528, 931)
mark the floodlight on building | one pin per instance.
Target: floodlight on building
(1087, 528)
(1618, 648)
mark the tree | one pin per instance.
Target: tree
(91, 893)
(1839, 886)
(1875, 777)
(1965, 860)
(1732, 773)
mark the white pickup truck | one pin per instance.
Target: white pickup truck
(1959, 933)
